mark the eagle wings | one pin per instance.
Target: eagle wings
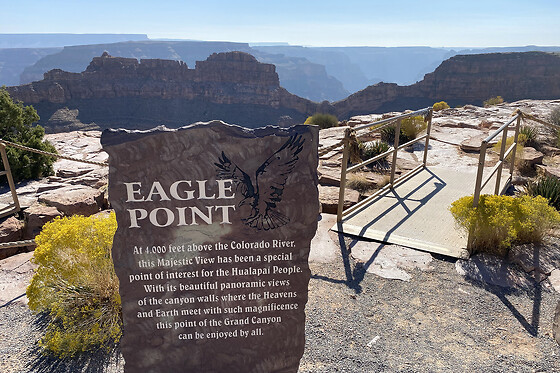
(269, 180)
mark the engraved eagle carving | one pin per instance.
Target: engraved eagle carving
(264, 191)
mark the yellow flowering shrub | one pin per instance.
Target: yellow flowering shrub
(498, 221)
(440, 106)
(521, 140)
(76, 285)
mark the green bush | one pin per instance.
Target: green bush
(388, 134)
(493, 101)
(440, 106)
(322, 120)
(498, 221)
(372, 149)
(548, 187)
(16, 126)
(75, 284)
(410, 128)
(530, 135)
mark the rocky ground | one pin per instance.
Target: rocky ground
(372, 308)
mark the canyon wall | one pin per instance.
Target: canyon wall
(123, 92)
(236, 88)
(465, 79)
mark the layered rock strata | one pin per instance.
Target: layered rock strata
(123, 92)
(464, 79)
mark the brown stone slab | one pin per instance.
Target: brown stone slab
(214, 229)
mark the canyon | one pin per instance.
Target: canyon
(236, 88)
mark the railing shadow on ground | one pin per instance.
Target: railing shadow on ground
(12, 300)
(530, 324)
(354, 276)
(99, 361)
(400, 202)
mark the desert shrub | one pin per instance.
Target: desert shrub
(521, 140)
(388, 134)
(440, 106)
(548, 187)
(358, 181)
(498, 221)
(554, 116)
(530, 135)
(493, 101)
(410, 128)
(16, 125)
(322, 120)
(372, 149)
(75, 284)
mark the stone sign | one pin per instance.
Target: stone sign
(214, 228)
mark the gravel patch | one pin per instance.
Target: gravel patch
(438, 321)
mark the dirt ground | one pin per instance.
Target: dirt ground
(439, 321)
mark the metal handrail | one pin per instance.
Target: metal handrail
(497, 169)
(379, 125)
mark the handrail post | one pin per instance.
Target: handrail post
(478, 183)
(9, 176)
(345, 156)
(501, 162)
(396, 147)
(428, 132)
(517, 126)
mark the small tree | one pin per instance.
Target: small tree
(16, 126)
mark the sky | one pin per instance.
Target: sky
(390, 23)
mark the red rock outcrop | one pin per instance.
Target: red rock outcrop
(232, 78)
(236, 88)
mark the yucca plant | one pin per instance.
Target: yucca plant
(548, 187)
(373, 149)
(530, 134)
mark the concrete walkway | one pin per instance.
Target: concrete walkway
(416, 213)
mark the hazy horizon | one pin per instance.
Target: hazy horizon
(399, 23)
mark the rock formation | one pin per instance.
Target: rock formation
(464, 79)
(236, 88)
(123, 92)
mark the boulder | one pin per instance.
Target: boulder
(492, 270)
(328, 196)
(472, 144)
(532, 156)
(390, 261)
(73, 172)
(551, 171)
(36, 216)
(550, 150)
(534, 257)
(325, 246)
(329, 175)
(75, 199)
(11, 230)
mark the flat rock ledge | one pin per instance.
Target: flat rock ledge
(390, 261)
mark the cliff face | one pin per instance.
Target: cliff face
(123, 92)
(236, 88)
(298, 75)
(465, 79)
